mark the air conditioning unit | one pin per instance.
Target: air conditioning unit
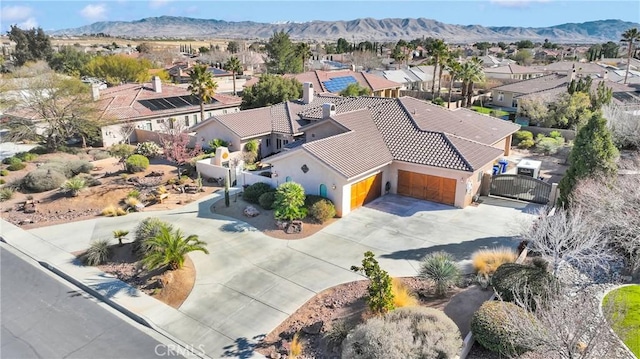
(222, 156)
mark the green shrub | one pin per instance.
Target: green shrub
(74, 186)
(38, 150)
(528, 283)
(57, 166)
(289, 204)
(2, 181)
(438, 101)
(69, 150)
(134, 193)
(322, 210)
(89, 179)
(490, 327)
(217, 142)
(379, 291)
(4, 172)
(41, 180)
(441, 269)
(540, 136)
(526, 144)
(251, 146)
(137, 163)
(98, 155)
(6, 193)
(252, 193)
(26, 156)
(76, 167)
(267, 199)
(555, 134)
(549, 145)
(16, 165)
(148, 149)
(148, 228)
(98, 252)
(10, 160)
(311, 199)
(523, 135)
(413, 332)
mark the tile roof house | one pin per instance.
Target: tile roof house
(352, 150)
(417, 78)
(512, 71)
(338, 80)
(147, 106)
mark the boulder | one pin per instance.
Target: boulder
(251, 211)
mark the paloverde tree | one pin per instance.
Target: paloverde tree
(282, 55)
(233, 65)
(69, 60)
(31, 45)
(270, 90)
(118, 69)
(630, 36)
(593, 154)
(202, 86)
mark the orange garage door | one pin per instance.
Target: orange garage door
(431, 188)
(366, 190)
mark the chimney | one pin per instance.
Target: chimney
(157, 84)
(572, 75)
(328, 110)
(95, 91)
(307, 93)
(353, 67)
(605, 75)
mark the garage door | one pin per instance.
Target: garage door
(431, 188)
(366, 190)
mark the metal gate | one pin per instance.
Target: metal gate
(520, 187)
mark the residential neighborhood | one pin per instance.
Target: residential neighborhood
(371, 188)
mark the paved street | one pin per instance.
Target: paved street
(44, 318)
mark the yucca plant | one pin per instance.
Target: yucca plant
(98, 252)
(170, 247)
(74, 186)
(441, 269)
(119, 234)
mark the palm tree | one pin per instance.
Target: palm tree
(202, 86)
(471, 72)
(168, 248)
(455, 69)
(630, 36)
(398, 56)
(444, 57)
(119, 234)
(303, 51)
(438, 49)
(233, 65)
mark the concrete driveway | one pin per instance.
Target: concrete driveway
(250, 282)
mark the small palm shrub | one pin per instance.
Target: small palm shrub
(402, 295)
(4, 172)
(414, 332)
(170, 247)
(322, 210)
(6, 193)
(252, 193)
(289, 204)
(490, 327)
(148, 228)
(113, 211)
(74, 186)
(486, 261)
(251, 146)
(296, 346)
(98, 252)
(532, 284)
(217, 142)
(136, 163)
(441, 269)
(267, 199)
(42, 180)
(148, 149)
(119, 234)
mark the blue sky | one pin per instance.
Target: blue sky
(53, 15)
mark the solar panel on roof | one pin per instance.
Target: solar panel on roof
(338, 84)
(623, 96)
(169, 103)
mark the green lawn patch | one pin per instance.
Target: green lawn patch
(489, 111)
(627, 327)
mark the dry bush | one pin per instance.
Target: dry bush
(296, 346)
(486, 261)
(402, 295)
(113, 211)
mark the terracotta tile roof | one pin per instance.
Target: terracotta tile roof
(318, 77)
(552, 94)
(513, 69)
(122, 102)
(345, 104)
(247, 123)
(538, 84)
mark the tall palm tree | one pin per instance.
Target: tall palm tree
(233, 65)
(168, 248)
(202, 86)
(471, 72)
(437, 50)
(631, 35)
(454, 68)
(444, 57)
(303, 51)
(398, 56)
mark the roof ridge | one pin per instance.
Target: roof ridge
(367, 80)
(315, 73)
(451, 145)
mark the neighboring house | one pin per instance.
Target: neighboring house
(180, 74)
(513, 72)
(353, 150)
(149, 106)
(336, 81)
(417, 78)
(582, 68)
(494, 61)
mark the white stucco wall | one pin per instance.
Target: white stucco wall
(213, 129)
(507, 101)
(322, 130)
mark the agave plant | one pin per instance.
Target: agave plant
(170, 247)
(441, 269)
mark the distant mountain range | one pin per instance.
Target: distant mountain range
(358, 29)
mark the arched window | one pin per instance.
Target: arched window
(287, 179)
(323, 190)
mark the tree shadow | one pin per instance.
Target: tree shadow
(459, 251)
(243, 348)
(238, 227)
(108, 286)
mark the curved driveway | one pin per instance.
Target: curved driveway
(251, 282)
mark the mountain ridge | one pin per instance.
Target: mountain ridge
(361, 29)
